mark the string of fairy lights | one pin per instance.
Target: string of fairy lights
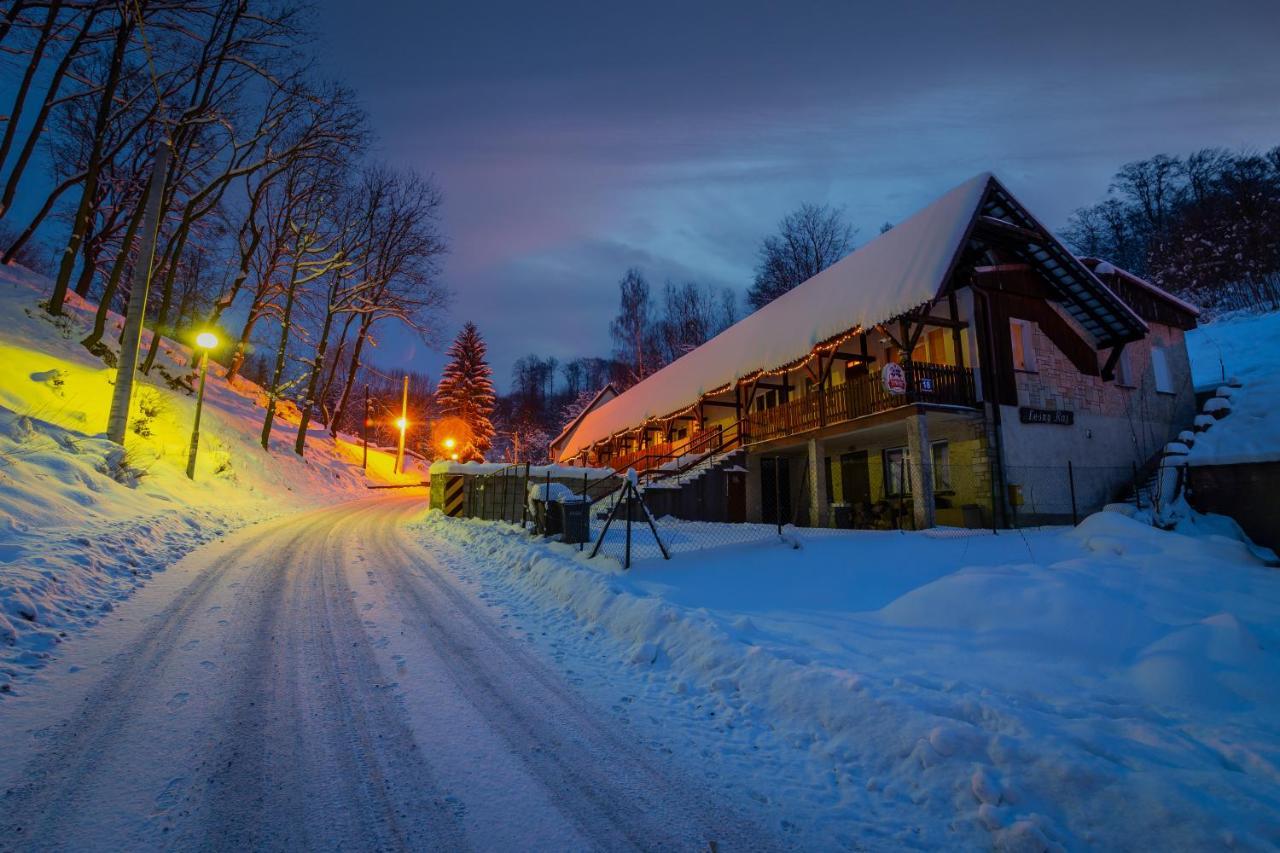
(821, 350)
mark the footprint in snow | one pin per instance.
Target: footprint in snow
(178, 700)
(189, 645)
(208, 665)
(168, 798)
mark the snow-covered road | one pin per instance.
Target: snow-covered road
(319, 681)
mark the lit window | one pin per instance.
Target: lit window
(937, 347)
(897, 480)
(1024, 355)
(1160, 366)
(941, 466)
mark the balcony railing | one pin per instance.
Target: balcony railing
(939, 384)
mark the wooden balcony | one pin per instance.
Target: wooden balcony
(936, 384)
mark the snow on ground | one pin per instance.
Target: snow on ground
(84, 522)
(1112, 686)
(1244, 347)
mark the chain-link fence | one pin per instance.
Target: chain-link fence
(970, 498)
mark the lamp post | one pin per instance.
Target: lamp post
(403, 423)
(205, 341)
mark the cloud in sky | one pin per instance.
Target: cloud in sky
(575, 140)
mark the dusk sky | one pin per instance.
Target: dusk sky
(576, 140)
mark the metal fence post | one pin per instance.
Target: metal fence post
(587, 501)
(777, 494)
(1137, 495)
(630, 489)
(524, 499)
(1071, 481)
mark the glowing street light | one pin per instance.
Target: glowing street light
(403, 423)
(449, 444)
(205, 341)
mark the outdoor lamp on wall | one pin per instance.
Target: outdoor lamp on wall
(205, 341)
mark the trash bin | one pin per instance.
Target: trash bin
(574, 521)
(548, 517)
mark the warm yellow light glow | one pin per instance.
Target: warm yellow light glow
(449, 444)
(454, 457)
(401, 423)
(206, 340)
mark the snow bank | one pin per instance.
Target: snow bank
(1110, 686)
(84, 522)
(1241, 425)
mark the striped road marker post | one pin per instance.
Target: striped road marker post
(453, 495)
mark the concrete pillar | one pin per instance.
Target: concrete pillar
(755, 509)
(818, 503)
(921, 471)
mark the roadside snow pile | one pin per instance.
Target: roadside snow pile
(1111, 686)
(83, 521)
(1241, 424)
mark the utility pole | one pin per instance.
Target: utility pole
(364, 463)
(121, 396)
(404, 424)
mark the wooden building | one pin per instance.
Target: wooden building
(946, 372)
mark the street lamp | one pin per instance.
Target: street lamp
(449, 444)
(205, 341)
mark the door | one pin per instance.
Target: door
(855, 478)
(775, 490)
(735, 486)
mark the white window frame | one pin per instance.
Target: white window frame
(1025, 330)
(1124, 369)
(1160, 370)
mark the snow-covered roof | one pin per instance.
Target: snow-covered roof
(1101, 267)
(608, 392)
(898, 271)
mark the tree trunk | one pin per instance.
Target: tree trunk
(237, 357)
(166, 298)
(10, 17)
(90, 190)
(354, 368)
(327, 388)
(300, 443)
(37, 127)
(19, 99)
(28, 232)
(278, 373)
(88, 265)
(113, 281)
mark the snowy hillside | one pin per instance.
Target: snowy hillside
(1243, 347)
(83, 522)
(1114, 686)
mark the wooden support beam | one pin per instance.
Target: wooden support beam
(853, 356)
(942, 322)
(888, 334)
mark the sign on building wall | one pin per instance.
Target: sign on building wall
(894, 378)
(1057, 417)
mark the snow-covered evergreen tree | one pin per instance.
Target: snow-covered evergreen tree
(466, 389)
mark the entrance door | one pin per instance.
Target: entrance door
(735, 486)
(855, 478)
(775, 490)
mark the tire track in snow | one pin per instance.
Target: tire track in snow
(614, 790)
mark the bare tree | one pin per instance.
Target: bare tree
(809, 240)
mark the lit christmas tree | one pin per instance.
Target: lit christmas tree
(466, 390)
